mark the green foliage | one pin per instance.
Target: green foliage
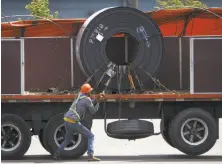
(175, 4)
(19, 19)
(40, 8)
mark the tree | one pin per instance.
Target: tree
(40, 8)
(174, 4)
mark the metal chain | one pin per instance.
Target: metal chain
(130, 77)
(109, 80)
(97, 70)
(89, 78)
(118, 77)
(138, 81)
(119, 80)
(104, 73)
(157, 82)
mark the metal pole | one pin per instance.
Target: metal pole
(191, 66)
(72, 64)
(126, 49)
(135, 4)
(180, 62)
(130, 3)
(22, 63)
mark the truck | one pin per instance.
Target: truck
(41, 77)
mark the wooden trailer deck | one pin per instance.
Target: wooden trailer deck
(115, 97)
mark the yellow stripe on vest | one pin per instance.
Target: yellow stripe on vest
(69, 120)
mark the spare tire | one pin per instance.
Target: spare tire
(130, 129)
(16, 136)
(145, 44)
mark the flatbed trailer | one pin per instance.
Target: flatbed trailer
(189, 119)
(180, 113)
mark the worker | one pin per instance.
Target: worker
(82, 104)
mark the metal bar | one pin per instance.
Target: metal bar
(180, 62)
(207, 38)
(126, 48)
(22, 49)
(196, 37)
(72, 64)
(47, 37)
(135, 3)
(191, 66)
(130, 3)
(117, 96)
(9, 94)
(208, 92)
(116, 101)
(10, 39)
(41, 37)
(124, 3)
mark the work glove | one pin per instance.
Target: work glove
(94, 102)
(97, 106)
(101, 96)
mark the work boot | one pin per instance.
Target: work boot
(56, 155)
(93, 158)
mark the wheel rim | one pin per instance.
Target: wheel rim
(59, 137)
(10, 138)
(194, 131)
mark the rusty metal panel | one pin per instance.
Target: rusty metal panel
(208, 65)
(47, 63)
(10, 67)
(78, 76)
(169, 71)
(186, 63)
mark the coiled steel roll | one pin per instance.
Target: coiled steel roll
(145, 44)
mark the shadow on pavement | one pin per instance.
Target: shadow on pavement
(142, 158)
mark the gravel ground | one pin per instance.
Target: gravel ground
(152, 150)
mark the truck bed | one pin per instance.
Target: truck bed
(114, 97)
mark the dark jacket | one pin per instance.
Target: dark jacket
(82, 106)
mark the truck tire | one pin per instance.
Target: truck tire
(130, 129)
(54, 135)
(164, 127)
(40, 135)
(16, 136)
(193, 131)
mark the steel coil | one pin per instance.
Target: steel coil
(95, 44)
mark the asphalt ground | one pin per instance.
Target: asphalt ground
(149, 150)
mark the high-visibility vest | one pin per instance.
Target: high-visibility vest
(73, 106)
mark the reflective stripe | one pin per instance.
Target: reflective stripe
(73, 106)
(75, 113)
(83, 97)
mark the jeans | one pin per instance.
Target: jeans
(72, 128)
